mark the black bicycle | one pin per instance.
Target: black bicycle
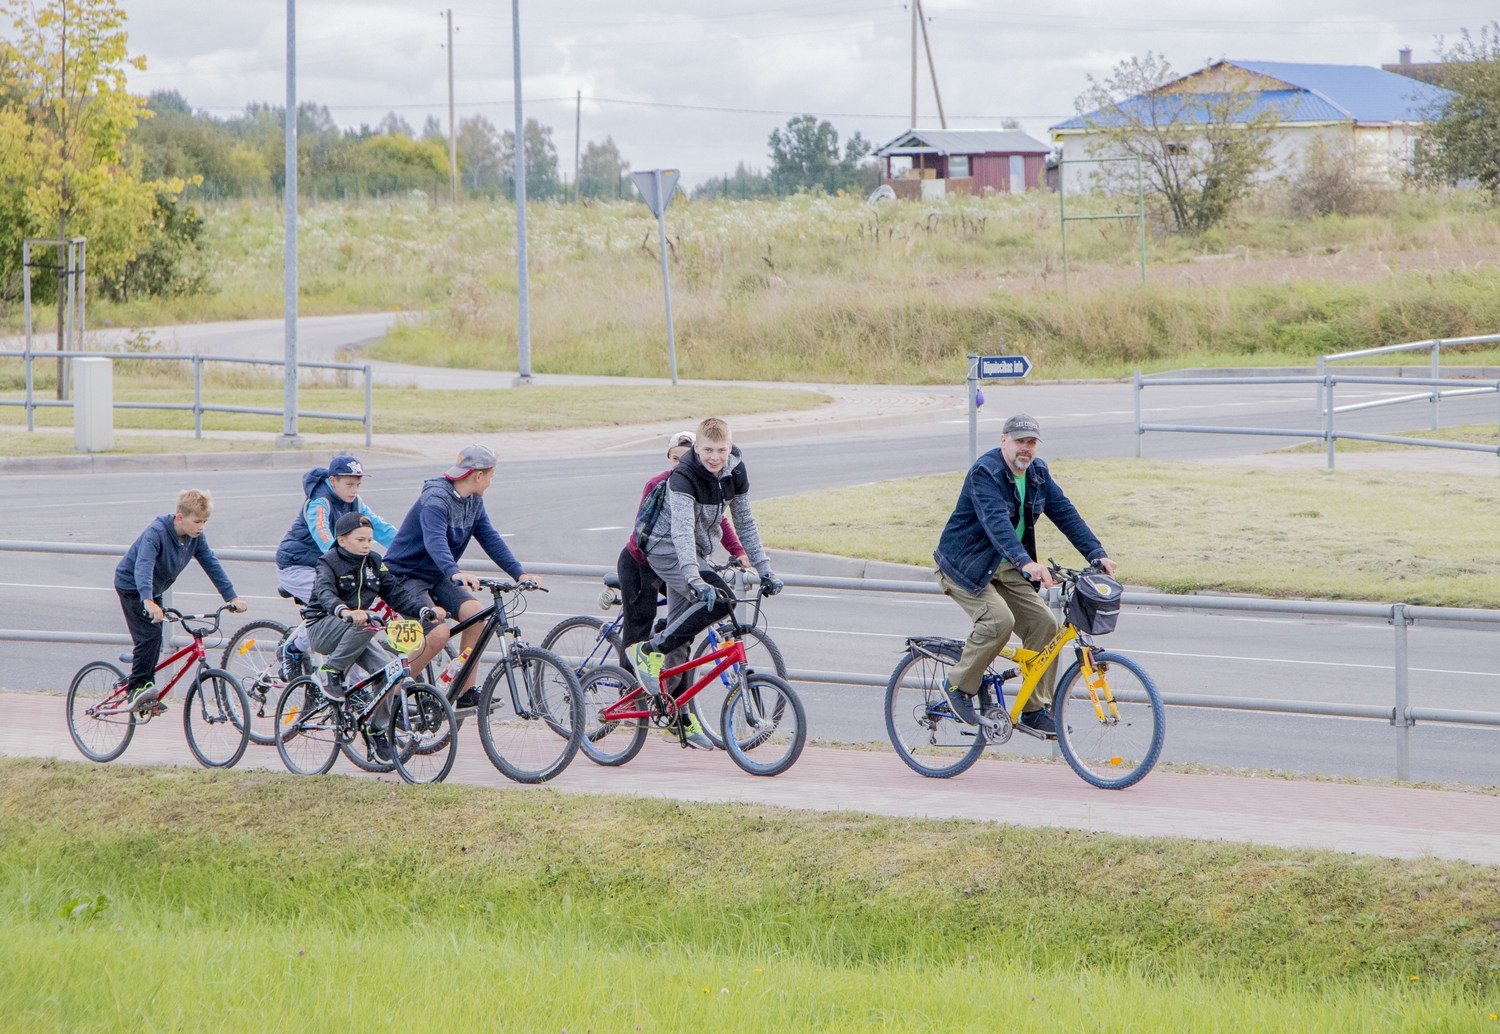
(530, 706)
(403, 724)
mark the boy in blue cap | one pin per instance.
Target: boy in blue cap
(331, 492)
(153, 562)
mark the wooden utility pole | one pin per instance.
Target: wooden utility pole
(913, 64)
(452, 128)
(927, 44)
(577, 131)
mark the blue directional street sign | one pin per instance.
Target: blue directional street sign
(1003, 367)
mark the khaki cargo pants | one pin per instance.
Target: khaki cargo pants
(1007, 604)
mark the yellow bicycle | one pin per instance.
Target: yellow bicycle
(1109, 715)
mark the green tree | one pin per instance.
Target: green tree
(541, 161)
(63, 130)
(602, 172)
(479, 154)
(806, 157)
(1200, 149)
(1462, 140)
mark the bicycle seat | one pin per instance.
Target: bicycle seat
(288, 596)
(612, 581)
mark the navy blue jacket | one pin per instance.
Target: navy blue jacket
(311, 534)
(156, 559)
(981, 534)
(437, 530)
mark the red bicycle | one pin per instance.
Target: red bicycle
(762, 723)
(215, 714)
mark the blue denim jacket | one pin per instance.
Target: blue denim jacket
(981, 534)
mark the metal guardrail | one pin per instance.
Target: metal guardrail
(1327, 433)
(1435, 347)
(198, 407)
(1400, 714)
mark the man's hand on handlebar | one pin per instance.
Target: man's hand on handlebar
(1038, 573)
(1106, 565)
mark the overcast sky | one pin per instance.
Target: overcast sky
(848, 60)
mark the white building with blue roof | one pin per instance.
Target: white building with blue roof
(1379, 112)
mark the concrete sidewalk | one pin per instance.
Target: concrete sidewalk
(1390, 821)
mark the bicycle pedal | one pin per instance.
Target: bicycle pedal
(1037, 734)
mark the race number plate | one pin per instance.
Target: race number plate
(393, 671)
(405, 636)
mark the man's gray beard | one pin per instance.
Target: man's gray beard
(1024, 464)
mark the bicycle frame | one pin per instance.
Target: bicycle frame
(722, 660)
(496, 623)
(196, 656)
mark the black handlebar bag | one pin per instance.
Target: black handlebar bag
(1095, 606)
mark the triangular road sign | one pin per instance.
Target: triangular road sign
(645, 184)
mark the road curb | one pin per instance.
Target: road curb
(791, 430)
(829, 565)
(147, 463)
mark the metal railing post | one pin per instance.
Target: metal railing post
(369, 407)
(1140, 431)
(1328, 417)
(1322, 372)
(197, 396)
(973, 384)
(26, 292)
(1399, 716)
(1437, 393)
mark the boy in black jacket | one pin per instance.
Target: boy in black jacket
(351, 577)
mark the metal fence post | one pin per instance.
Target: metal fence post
(1140, 431)
(26, 291)
(197, 396)
(1437, 393)
(1322, 372)
(973, 379)
(1399, 717)
(1328, 416)
(369, 407)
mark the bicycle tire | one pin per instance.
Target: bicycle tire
(420, 716)
(758, 644)
(576, 641)
(219, 704)
(95, 738)
(1120, 752)
(534, 745)
(251, 656)
(362, 755)
(916, 711)
(308, 726)
(601, 687)
(737, 716)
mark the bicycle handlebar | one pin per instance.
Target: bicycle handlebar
(524, 585)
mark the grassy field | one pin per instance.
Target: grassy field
(831, 288)
(417, 411)
(180, 900)
(1188, 526)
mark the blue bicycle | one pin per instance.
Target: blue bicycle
(584, 642)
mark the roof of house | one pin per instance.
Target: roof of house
(1309, 93)
(963, 141)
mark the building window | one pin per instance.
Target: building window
(958, 166)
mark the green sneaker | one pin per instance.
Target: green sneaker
(647, 665)
(695, 737)
(142, 697)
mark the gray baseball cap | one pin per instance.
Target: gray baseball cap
(1022, 425)
(471, 458)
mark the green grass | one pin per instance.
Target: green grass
(831, 288)
(1185, 526)
(253, 901)
(418, 411)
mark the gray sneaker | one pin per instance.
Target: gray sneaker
(648, 665)
(961, 704)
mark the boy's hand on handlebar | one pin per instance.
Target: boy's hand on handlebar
(706, 596)
(432, 614)
(743, 561)
(238, 605)
(356, 617)
(153, 610)
(529, 580)
(467, 580)
(1038, 573)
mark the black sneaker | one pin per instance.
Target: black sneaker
(961, 704)
(380, 747)
(292, 662)
(333, 684)
(469, 698)
(1040, 721)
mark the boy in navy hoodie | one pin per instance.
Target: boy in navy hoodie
(152, 564)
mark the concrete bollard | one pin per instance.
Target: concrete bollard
(93, 405)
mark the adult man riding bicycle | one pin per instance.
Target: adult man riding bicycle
(986, 560)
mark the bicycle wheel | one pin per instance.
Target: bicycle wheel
(1114, 746)
(764, 725)
(610, 743)
(251, 657)
(216, 719)
(531, 715)
(582, 642)
(423, 733)
(762, 653)
(310, 729)
(98, 720)
(926, 734)
(361, 754)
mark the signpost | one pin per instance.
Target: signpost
(989, 368)
(657, 188)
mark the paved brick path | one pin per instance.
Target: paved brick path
(1378, 820)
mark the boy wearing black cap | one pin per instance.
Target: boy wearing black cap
(350, 578)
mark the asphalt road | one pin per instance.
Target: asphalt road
(576, 509)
